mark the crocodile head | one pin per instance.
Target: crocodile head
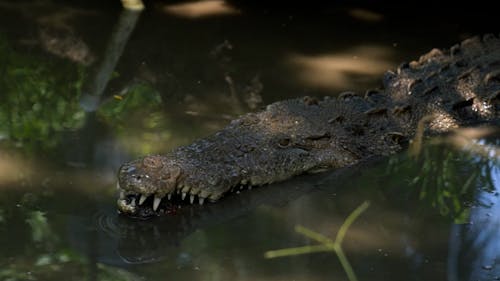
(160, 184)
(148, 179)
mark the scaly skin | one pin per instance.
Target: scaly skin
(456, 87)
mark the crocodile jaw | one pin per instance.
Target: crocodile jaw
(158, 184)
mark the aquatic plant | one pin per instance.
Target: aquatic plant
(433, 166)
(326, 244)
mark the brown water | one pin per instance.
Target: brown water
(86, 86)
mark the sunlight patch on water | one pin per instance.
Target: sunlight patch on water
(11, 168)
(366, 15)
(340, 70)
(201, 9)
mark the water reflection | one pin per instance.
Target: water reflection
(117, 42)
(399, 235)
(474, 247)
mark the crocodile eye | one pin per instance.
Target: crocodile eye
(284, 142)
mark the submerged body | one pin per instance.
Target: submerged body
(456, 87)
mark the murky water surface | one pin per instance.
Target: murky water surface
(86, 86)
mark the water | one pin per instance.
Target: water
(86, 86)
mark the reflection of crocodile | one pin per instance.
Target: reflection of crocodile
(456, 87)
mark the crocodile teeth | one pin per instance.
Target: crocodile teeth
(156, 203)
(142, 199)
(201, 200)
(191, 199)
(118, 185)
(122, 194)
(132, 203)
(169, 196)
(183, 195)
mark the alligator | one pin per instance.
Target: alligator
(442, 90)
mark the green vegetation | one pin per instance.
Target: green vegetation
(326, 244)
(137, 117)
(137, 100)
(39, 98)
